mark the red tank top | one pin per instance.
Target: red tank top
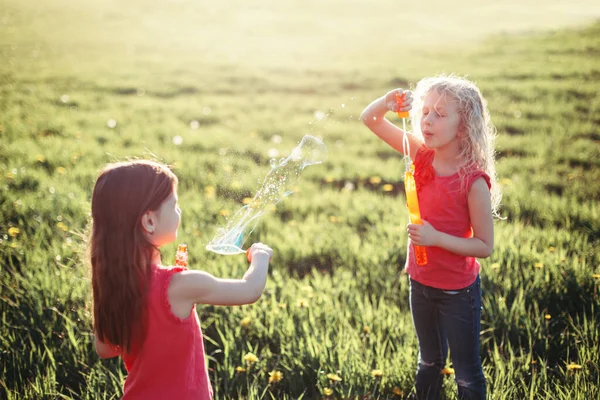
(445, 206)
(171, 363)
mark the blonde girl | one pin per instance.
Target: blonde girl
(452, 145)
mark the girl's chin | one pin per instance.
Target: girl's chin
(428, 141)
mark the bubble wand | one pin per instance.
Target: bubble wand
(277, 185)
(410, 187)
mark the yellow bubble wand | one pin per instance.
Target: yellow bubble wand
(410, 187)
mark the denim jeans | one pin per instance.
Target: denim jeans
(442, 319)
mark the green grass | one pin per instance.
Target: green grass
(337, 297)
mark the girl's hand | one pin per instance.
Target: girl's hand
(260, 251)
(422, 235)
(391, 100)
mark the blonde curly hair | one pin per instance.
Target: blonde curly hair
(477, 147)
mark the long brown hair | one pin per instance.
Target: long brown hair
(120, 255)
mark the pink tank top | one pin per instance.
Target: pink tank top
(171, 363)
(445, 206)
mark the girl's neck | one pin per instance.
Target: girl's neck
(156, 257)
(446, 161)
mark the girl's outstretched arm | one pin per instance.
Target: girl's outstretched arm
(374, 118)
(482, 222)
(191, 287)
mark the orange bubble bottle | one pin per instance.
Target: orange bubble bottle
(410, 187)
(181, 257)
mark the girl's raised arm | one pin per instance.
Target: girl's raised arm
(193, 287)
(374, 118)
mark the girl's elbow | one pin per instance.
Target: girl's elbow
(105, 350)
(366, 119)
(254, 295)
(251, 298)
(258, 294)
(487, 251)
(106, 353)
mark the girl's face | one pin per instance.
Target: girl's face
(161, 225)
(440, 120)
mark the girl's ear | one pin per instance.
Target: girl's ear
(148, 222)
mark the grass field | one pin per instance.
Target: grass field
(217, 90)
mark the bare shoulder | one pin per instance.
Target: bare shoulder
(479, 188)
(184, 281)
(182, 291)
(479, 199)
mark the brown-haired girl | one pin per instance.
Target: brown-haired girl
(144, 311)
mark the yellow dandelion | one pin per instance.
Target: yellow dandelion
(250, 358)
(574, 367)
(366, 329)
(275, 376)
(245, 322)
(505, 181)
(447, 371)
(387, 187)
(247, 200)
(375, 180)
(14, 245)
(13, 232)
(327, 391)
(534, 361)
(9, 175)
(61, 170)
(302, 303)
(328, 179)
(396, 390)
(40, 158)
(539, 265)
(377, 373)
(61, 225)
(224, 213)
(333, 218)
(547, 316)
(239, 370)
(596, 276)
(551, 249)
(334, 377)
(209, 192)
(495, 266)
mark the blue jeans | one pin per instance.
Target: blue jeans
(442, 319)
